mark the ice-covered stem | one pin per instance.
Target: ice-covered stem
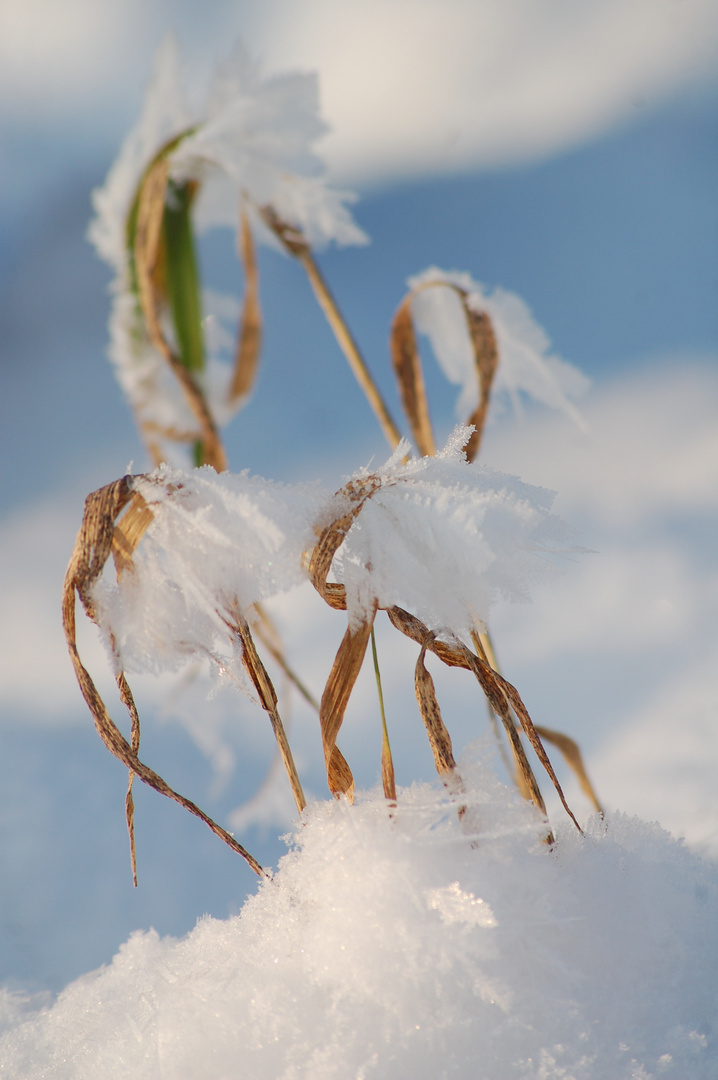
(296, 245)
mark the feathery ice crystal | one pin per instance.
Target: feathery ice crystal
(437, 536)
(523, 345)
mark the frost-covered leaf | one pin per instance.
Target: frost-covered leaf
(443, 539)
(216, 546)
(525, 362)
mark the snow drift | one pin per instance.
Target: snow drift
(410, 940)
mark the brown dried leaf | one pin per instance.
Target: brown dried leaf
(89, 556)
(573, 758)
(268, 699)
(388, 780)
(331, 538)
(410, 376)
(439, 737)
(502, 696)
(129, 530)
(486, 358)
(345, 670)
(512, 696)
(250, 330)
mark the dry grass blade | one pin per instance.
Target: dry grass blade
(496, 696)
(297, 246)
(345, 670)
(486, 358)
(250, 329)
(147, 257)
(265, 630)
(514, 700)
(410, 376)
(268, 698)
(388, 779)
(439, 737)
(573, 758)
(332, 537)
(92, 549)
(129, 530)
(502, 696)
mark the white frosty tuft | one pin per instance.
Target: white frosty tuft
(258, 131)
(524, 360)
(401, 944)
(217, 545)
(444, 539)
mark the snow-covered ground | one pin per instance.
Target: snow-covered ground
(415, 941)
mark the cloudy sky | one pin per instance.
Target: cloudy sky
(568, 152)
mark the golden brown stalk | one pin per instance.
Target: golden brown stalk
(410, 376)
(268, 700)
(295, 244)
(502, 696)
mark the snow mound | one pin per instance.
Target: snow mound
(415, 942)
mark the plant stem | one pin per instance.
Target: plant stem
(387, 764)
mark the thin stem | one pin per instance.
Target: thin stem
(387, 763)
(349, 347)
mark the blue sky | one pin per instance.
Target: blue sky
(606, 226)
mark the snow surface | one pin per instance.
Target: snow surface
(412, 941)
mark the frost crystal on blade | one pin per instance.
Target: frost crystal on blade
(526, 364)
(444, 539)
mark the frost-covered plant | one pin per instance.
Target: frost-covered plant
(431, 539)
(246, 154)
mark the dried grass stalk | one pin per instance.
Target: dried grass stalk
(249, 341)
(502, 696)
(410, 376)
(147, 258)
(573, 758)
(296, 244)
(268, 700)
(92, 549)
(266, 631)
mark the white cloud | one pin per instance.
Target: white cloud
(432, 87)
(410, 86)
